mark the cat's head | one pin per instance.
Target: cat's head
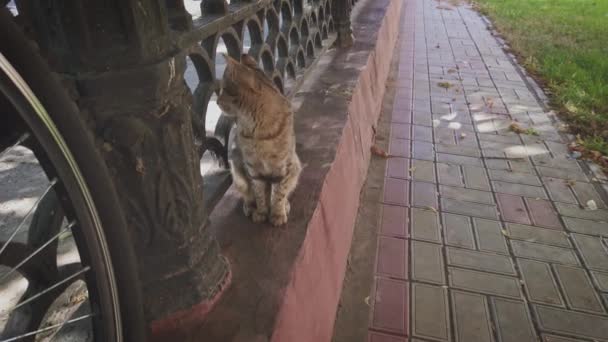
(244, 85)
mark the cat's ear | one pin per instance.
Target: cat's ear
(229, 60)
(249, 61)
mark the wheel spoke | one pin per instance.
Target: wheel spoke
(21, 139)
(51, 327)
(28, 215)
(47, 290)
(33, 254)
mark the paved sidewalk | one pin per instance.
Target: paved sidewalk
(484, 234)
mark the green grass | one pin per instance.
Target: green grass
(565, 43)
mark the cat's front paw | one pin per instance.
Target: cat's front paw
(259, 216)
(278, 219)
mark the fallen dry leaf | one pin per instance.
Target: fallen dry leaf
(516, 128)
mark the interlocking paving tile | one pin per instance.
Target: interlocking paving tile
(519, 189)
(399, 148)
(492, 284)
(469, 208)
(538, 235)
(572, 323)
(400, 131)
(430, 312)
(423, 170)
(544, 253)
(513, 322)
(425, 225)
(396, 191)
(539, 282)
(547, 171)
(578, 290)
(458, 231)
(601, 279)
(424, 194)
(586, 226)
(394, 221)
(575, 211)
(476, 178)
(392, 257)
(543, 214)
(471, 317)
(559, 190)
(586, 192)
(427, 262)
(422, 133)
(464, 194)
(512, 208)
(515, 177)
(480, 261)
(593, 251)
(398, 168)
(551, 338)
(390, 306)
(490, 236)
(449, 174)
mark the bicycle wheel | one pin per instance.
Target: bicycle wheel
(67, 267)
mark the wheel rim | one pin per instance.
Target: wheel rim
(47, 280)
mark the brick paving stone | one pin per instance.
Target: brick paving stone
(459, 150)
(586, 226)
(601, 279)
(469, 195)
(396, 191)
(398, 168)
(575, 211)
(423, 150)
(449, 174)
(586, 192)
(399, 148)
(469, 208)
(544, 253)
(458, 160)
(559, 190)
(427, 262)
(512, 208)
(400, 131)
(422, 133)
(378, 337)
(539, 282)
(422, 118)
(471, 317)
(424, 194)
(423, 170)
(394, 221)
(513, 322)
(538, 235)
(480, 261)
(519, 189)
(476, 178)
(490, 236)
(550, 338)
(430, 314)
(390, 306)
(425, 225)
(572, 323)
(543, 214)
(392, 257)
(514, 177)
(458, 231)
(492, 284)
(546, 171)
(578, 290)
(592, 251)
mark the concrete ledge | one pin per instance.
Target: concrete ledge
(286, 282)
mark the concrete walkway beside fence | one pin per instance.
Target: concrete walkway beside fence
(486, 234)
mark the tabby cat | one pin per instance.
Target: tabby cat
(265, 167)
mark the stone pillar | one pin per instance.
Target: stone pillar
(117, 60)
(341, 10)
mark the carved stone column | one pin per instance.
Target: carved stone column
(341, 10)
(117, 59)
